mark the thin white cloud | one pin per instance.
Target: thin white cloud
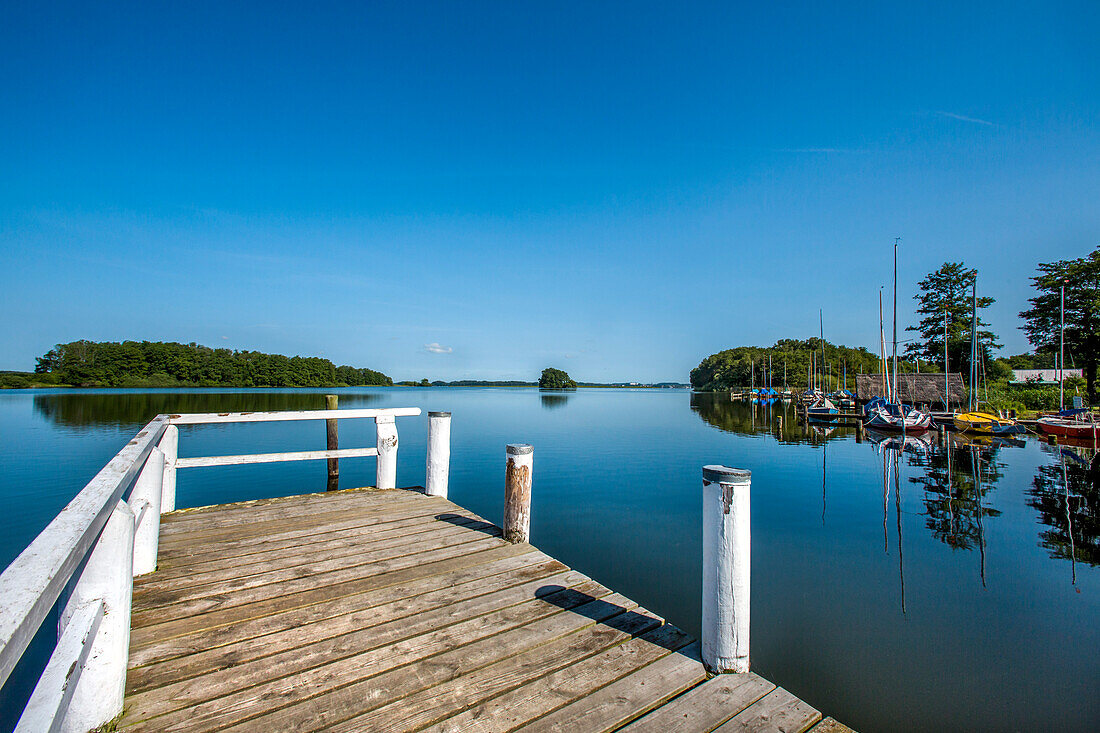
(964, 118)
(438, 348)
(816, 150)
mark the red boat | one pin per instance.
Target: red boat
(1078, 426)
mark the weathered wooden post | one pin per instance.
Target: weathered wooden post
(169, 446)
(726, 566)
(145, 502)
(107, 577)
(517, 492)
(385, 475)
(439, 454)
(332, 402)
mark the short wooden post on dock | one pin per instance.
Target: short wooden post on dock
(332, 435)
(385, 475)
(169, 446)
(439, 454)
(107, 579)
(145, 502)
(517, 492)
(726, 565)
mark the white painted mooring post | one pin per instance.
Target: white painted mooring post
(145, 502)
(439, 454)
(517, 492)
(107, 576)
(386, 471)
(726, 565)
(169, 445)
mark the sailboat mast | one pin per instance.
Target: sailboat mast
(821, 326)
(1062, 353)
(895, 380)
(882, 350)
(946, 364)
(974, 343)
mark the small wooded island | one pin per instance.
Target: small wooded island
(555, 379)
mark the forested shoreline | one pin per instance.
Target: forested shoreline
(171, 364)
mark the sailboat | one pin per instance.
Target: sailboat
(974, 420)
(890, 413)
(822, 408)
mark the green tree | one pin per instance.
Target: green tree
(555, 379)
(949, 289)
(1081, 278)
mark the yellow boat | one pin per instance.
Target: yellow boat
(985, 424)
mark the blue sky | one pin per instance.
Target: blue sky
(479, 190)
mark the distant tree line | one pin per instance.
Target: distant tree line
(744, 366)
(170, 364)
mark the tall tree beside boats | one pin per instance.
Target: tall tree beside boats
(947, 291)
(1081, 278)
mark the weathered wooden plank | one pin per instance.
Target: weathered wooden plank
(169, 625)
(828, 725)
(166, 609)
(628, 697)
(179, 553)
(336, 553)
(367, 680)
(252, 506)
(777, 712)
(523, 704)
(262, 524)
(390, 532)
(301, 455)
(231, 417)
(706, 706)
(430, 705)
(147, 648)
(388, 622)
(404, 638)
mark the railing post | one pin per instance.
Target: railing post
(108, 576)
(726, 565)
(169, 445)
(145, 502)
(517, 492)
(386, 471)
(332, 402)
(439, 454)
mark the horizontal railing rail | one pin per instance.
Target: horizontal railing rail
(85, 560)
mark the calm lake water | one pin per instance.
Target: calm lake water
(916, 587)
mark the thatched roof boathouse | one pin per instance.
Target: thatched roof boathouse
(914, 389)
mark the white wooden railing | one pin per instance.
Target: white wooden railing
(85, 560)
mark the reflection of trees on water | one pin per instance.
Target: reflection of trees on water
(1066, 492)
(956, 481)
(744, 417)
(553, 401)
(132, 410)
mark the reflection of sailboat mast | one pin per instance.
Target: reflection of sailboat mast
(978, 500)
(885, 503)
(951, 495)
(1069, 525)
(824, 452)
(897, 511)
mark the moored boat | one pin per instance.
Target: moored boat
(900, 418)
(984, 423)
(822, 410)
(1070, 424)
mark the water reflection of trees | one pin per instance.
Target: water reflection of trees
(1066, 493)
(132, 410)
(552, 401)
(956, 481)
(776, 418)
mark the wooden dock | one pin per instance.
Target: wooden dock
(367, 610)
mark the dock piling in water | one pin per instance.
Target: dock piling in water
(726, 564)
(439, 454)
(517, 493)
(332, 437)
